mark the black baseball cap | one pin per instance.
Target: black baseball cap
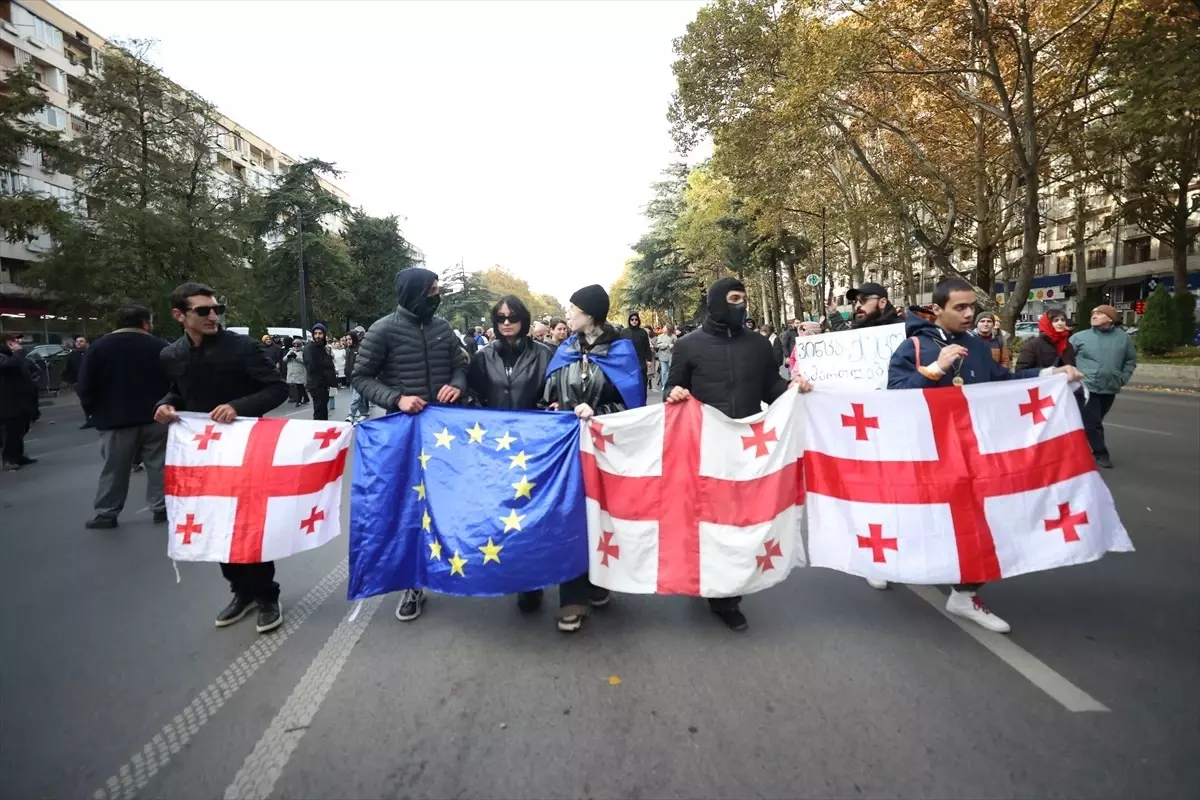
(866, 289)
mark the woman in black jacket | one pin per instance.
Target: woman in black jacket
(510, 374)
(1050, 348)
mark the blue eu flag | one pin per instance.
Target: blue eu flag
(466, 501)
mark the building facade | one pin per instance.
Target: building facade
(64, 53)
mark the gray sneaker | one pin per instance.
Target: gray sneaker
(411, 603)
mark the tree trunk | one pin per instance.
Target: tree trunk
(1080, 233)
(1179, 233)
(1031, 229)
(789, 272)
(906, 268)
(774, 276)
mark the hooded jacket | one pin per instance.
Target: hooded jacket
(722, 364)
(318, 363)
(977, 366)
(410, 351)
(640, 339)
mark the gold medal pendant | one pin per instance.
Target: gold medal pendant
(958, 381)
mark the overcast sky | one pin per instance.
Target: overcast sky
(524, 134)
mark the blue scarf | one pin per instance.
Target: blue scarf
(620, 366)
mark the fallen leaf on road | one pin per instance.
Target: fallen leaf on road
(613, 680)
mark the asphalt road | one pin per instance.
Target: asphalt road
(114, 682)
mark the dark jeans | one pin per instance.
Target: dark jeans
(320, 400)
(297, 393)
(1093, 421)
(967, 587)
(255, 581)
(575, 592)
(12, 431)
(724, 603)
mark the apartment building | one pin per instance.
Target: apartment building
(65, 52)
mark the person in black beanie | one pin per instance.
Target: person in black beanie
(732, 369)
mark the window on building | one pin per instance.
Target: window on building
(13, 183)
(10, 270)
(8, 56)
(1165, 250)
(1062, 230)
(1064, 263)
(1039, 266)
(1097, 259)
(1137, 250)
(32, 25)
(1064, 190)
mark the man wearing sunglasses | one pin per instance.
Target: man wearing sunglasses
(225, 375)
(871, 308)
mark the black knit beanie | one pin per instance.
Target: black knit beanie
(593, 301)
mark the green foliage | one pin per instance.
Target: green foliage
(379, 251)
(499, 281)
(1184, 309)
(1157, 329)
(465, 299)
(24, 215)
(1083, 309)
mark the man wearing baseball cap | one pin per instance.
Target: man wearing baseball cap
(871, 308)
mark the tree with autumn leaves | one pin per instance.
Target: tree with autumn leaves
(929, 128)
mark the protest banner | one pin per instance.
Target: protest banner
(848, 359)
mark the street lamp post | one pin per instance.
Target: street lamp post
(302, 276)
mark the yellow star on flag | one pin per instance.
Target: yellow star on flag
(435, 550)
(444, 438)
(519, 460)
(491, 551)
(524, 488)
(457, 563)
(502, 442)
(513, 521)
(420, 490)
(425, 520)
(425, 458)
(476, 434)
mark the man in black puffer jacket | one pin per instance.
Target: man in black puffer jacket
(407, 360)
(732, 369)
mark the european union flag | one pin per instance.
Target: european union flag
(466, 501)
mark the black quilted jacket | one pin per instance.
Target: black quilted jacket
(402, 356)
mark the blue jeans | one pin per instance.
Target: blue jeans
(358, 404)
(664, 369)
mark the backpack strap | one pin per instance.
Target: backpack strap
(926, 372)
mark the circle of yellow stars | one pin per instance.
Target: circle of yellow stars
(523, 488)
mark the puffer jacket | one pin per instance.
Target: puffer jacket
(510, 377)
(1107, 358)
(404, 354)
(294, 369)
(734, 371)
(583, 381)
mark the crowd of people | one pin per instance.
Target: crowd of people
(132, 383)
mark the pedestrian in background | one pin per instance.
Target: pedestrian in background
(18, 402)
(318, 365)
(558, 332)
(273, 350)
(768, 331)
(664, 345)
(1107, 358)
(71, 370)
(119, 386)
(225, 375)
(987, 330)
(295, 374)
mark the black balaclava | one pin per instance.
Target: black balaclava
(412, 288)
(723, 317)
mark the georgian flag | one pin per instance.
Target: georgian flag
(955, 485)
(683, 500)
(255, 489)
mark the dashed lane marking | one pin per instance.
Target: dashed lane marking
(134, 775)
(1035, 671)
(264, 765)
(1139, 430)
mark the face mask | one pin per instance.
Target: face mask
(737, 315)
(431, 304)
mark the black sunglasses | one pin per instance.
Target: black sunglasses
(204, 311)
(506, 318)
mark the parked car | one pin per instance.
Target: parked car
(48, 361)
(1025, 330)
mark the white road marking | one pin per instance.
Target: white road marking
(67, 449)
(1035, 671)
(1139, 430)
(134, 775)
(266, 762)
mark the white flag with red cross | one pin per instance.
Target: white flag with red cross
(955, 485)
(683, 500)
(255, 489)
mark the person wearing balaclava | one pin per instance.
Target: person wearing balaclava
(732, 369)
(593, 372)
(408, 359)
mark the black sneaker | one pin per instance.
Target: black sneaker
(101, 523)
(238, 608)
(270, 617)
(598, 597)
(411, 603)
(160, 517)
(10, 467)
(25, 461)
(1104, 461)
(734, 619)
(529, 601)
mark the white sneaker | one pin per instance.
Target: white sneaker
(968, 606)
(877, 583)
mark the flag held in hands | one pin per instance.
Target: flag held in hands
(255, 489)
(684, 500)
(956, 484)
(466, 501)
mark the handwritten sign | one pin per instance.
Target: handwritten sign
(848, 359)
